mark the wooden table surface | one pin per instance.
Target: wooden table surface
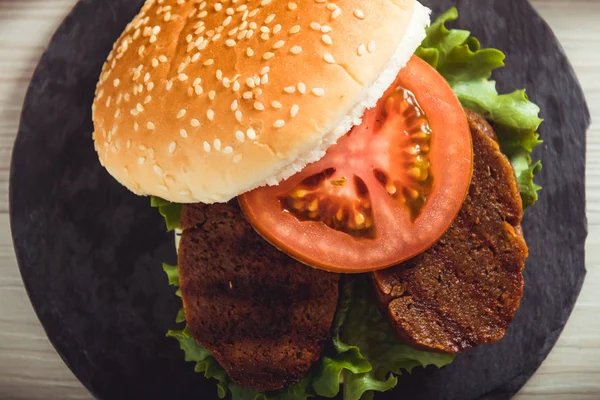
(31, 369)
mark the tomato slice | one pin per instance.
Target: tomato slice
(388, 189)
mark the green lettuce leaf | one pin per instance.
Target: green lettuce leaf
(459, 58)
(170, 211)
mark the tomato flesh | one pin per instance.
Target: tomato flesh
(385, 192)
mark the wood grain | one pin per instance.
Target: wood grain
(31, 369)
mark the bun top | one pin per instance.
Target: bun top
(200, 101)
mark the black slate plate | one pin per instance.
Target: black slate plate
(90, 251)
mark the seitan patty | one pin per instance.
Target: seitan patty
(264, 316)
(464, 290)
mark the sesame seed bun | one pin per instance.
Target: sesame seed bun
(200, 101)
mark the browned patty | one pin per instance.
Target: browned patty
(464, 290)
(264, 316)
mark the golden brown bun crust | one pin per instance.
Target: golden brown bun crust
(165, 108)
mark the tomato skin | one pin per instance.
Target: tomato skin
(396, 235)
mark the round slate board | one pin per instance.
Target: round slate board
(90, 251)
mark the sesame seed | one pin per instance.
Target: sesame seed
(150, 126)
(264, 36)
(148, 99)
(279, 123)
(249, 52)
(233, 31)
(136, 126)
(241, 8)
(259, 106)
(172, 147)
(247, 95)
(292, 6)
(329, 58)
(302, 88)
(371, 47)
(236, 86)
(212, 94)
(230, 42)
(141, 160)
(162, 58)
(226, 82)
(154, 62)
(147, 77)
(219, 74)
(195, 57)
(190, 92)
(289, 89)
(189, 37)
(269, 19)
(194, 122)
(128, 145)
(228, 150)
(198, 90)
(294, 110)
(116, 82)
(294, 29)
(117, 113)
(210, 114)
(181, 113)
(183, 133)
(251, 133)
(253, 12)
(264, 79)
(208, 62)
(237, 158)
(276, 104)
(326, 29)
(203, 14)
(326, 39)
(139, 107)
(278, 44)
(336, 13)
(234, 105)
(359, 14)
(230, 11)
(315, 26)
(217, 144)
(182, 77)
(197, 81)
(276, 29)
(250, 82)
(238, 115)
(218, 7)
(206, 146)
(158, 170)
(256, 80)
(239, 135)
(332, 6)
(296, 50)
(361, 50)
(152, 39)
(264, 2)
(226, 21)
(216, 37)
(318, 92)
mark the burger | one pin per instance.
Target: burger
(345, 183)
